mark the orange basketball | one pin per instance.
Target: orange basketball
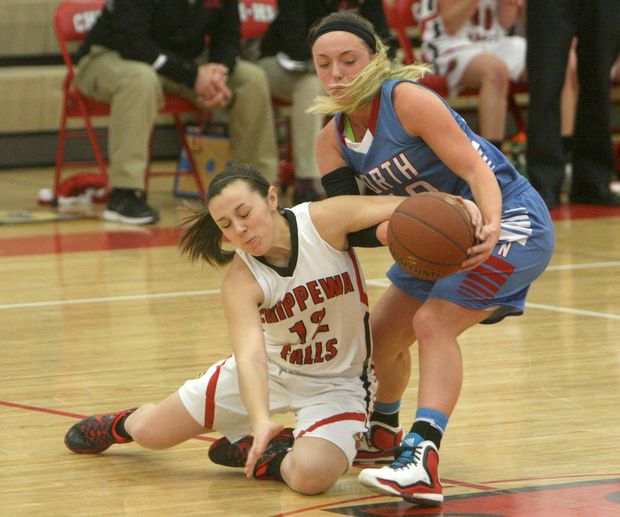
(429, 234)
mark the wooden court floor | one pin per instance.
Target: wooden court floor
(96, 317)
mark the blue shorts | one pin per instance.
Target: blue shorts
(501, 282)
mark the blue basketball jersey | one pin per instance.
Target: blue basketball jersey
(390, 161)
(393, 162)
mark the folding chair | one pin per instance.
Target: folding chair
(73, 20)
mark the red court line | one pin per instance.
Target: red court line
(89, 241)
(564, 476)
(40, 409)
(325, 505)
(71, 415)
(577, 211)
(465, 484)
(483, 487)
(153, 237)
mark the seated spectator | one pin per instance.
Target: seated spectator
(470, 43)
(136, 51)
(286, 58)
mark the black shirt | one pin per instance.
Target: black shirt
(169, 34)
(288, 33)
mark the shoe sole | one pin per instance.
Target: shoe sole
(370, 462)
(424, 499)
(418, 498)
(108, 215)
(375, 485)
(369, 459)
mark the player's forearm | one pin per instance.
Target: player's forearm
(488, 197)
(366, 211)
(254, 387)
(507, 13)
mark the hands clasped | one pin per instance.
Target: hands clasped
(211, 85)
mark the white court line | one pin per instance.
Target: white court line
(577, 312)
(591, 265)
(109, 299)
(374, 282)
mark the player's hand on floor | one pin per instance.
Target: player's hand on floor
(263, 434)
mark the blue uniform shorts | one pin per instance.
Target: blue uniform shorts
(501, 282)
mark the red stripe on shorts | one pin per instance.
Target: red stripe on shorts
(210, 397)
(500, 265)
(360, 417)
(483, 280)
(486, 279)
(478, 289)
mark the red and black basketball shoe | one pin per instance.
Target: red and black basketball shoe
(235, 454)
(264, 469)
(96, 433)
(378, 444)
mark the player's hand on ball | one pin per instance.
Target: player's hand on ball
(474, 215)
(486, 239)
(263, 433)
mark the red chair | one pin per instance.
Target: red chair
(400, 17)
(256, 17)
(72, 21)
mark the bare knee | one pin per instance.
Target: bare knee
(313, 466)
(426, 325)
(497, 76)
(307, 479)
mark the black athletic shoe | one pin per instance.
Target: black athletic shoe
(96, 433)
(274, 449)
(235, 454)
(130, 207)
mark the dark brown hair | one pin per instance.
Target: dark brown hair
(203, 238)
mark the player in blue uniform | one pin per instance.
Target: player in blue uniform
(398, 137)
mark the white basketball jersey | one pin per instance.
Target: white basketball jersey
(315, 311)
(483, 24)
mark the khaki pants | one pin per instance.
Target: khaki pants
(135, 93)
(300, 89)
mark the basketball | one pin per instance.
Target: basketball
(429, 234)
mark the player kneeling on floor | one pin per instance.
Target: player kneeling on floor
(308, 337)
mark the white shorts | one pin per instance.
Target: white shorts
(451, 56)
(335, 409)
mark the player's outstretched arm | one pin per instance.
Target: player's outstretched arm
(241, 295)
(335, 217)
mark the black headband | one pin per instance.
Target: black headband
(360, 32)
